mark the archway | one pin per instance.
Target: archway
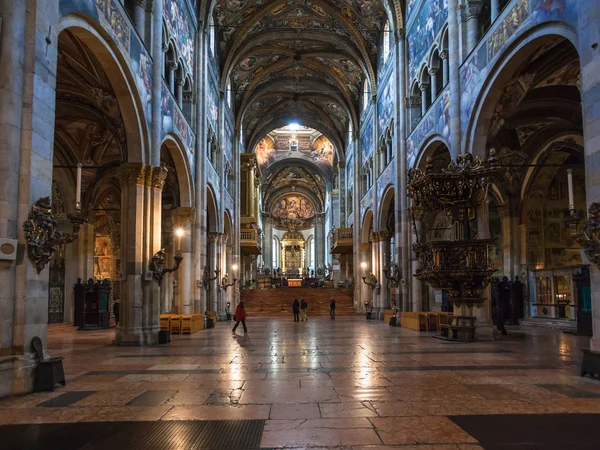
(544, 171)
(97, 123)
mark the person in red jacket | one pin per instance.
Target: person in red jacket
(240, 316)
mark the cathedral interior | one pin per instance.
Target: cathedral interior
(398, 200)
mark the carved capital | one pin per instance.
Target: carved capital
(183, 216)
(159, 175)
(444, 55)
(434, 71)
(474, 10)
(424, 87)
(215, 237)
(173, 65)
(414, 101)
(365, 247)
(401, 34)
(133, 174)
(140, 3)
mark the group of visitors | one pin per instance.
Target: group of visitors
(299, 308)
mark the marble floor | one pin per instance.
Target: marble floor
(348, 383)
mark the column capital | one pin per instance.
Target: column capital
(444, 54)
(180, 81)
(215, 237)
(434, 70)
(183, 216)
(133, 174)
(424, 87)
(140, 3)
(365, 247)
(173, 65)
(474, 9)
(158, 177)
(400, 34)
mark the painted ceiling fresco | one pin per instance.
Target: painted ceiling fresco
(304, 60)
(306, 145)
(293, 212)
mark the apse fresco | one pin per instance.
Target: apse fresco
(111, 14)
(180, 24)
(293, 212)
(424, 30)
(320, 152)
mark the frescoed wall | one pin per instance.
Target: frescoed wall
(385, 105)
(523, 14)
(430, 20)
(410, 7)
(350, 173)
(111, 15)
(387, 178)
(181, 26)
(366, 140)
(436, 121)
(173, 121)
(213, 105)
(228, 144)
(366, 203)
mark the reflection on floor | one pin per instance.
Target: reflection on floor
(348, 382)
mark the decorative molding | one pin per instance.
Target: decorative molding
(183, 216)
(133, 174)
(159, 176)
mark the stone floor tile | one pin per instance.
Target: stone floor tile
(246, 412)
(347, 423)
(347, 409)
(175, 367)
(295, 411)
(420, 430)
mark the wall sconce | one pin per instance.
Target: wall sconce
(370, 281)
(206, 278)
(393, 275)
(589, 238)
(157, 265)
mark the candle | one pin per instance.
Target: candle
(570, 183)
(78, 188)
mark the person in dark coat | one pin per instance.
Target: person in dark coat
(303, 308)
(332, 308)
(504, 291)
(117, 311)
(240, 316)
(296, 309)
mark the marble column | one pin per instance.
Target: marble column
(445, 68)
(473, 13)
(494, 9)
(171, 78)
(268, 249)
(320, 239)
(383, 256)
(415, 284)
(424, 104)
(214, 240)
(588, 38)
(139, 17)
(433, 72)
(483, 312)
(342, 183)
(27, 82)
(366, 293)
(179, 82)
(454, 75)
(133, 178)
(184, 218)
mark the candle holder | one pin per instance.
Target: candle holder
(43, 235)
(206, 278)
(157, 265)
(393, 275)
(225, 284)
(370, 281)
(589, 238)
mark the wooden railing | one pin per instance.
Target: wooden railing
(250, 235)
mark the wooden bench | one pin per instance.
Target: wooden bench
(192, 323)
(165, 322)
(414, 321)
(175, 323)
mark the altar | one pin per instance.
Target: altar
(294, 282)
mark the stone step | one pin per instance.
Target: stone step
(565, 325)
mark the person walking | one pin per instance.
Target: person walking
(303, 308)
(296, 309)
(240, 316)
(332, 309)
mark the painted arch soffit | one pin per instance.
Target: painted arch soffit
(294, 178)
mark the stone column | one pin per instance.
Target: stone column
(445, 68)
(589, 36)
(424, 88)
(433, 72)
(171, 78)
(214, 240)
(473, 12)
(268, 241)
(133, 178)
(415, 284)
(454, 67)
(366, 293)
(27, 81)
(483, 312)
(494, 9)
(179, 91)
(139, 18)
(320, 241)
(184, 218)
(384, 294)
(342, 183)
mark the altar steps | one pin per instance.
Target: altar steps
(278, 302)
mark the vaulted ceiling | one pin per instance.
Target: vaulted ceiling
(301, 60)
